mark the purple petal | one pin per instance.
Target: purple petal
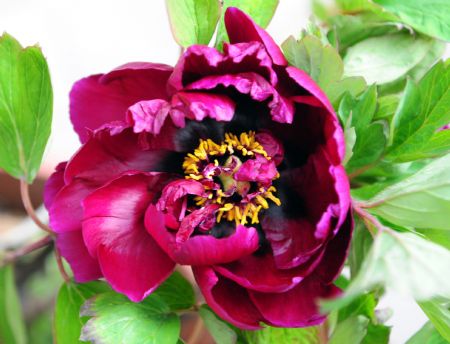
(100, 99)
(241, 28)
(228, 300)
(296, 307)
(201, 249)
(71, 246)
(113, 229)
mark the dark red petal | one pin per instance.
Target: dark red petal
(228, 300)
(72, 248)
(201, 249)
(272, 146)
(113, 229)
(241, 28)
(99, 99)
(296, 307)
(54, 184)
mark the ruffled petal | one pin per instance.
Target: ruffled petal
(201, 249)
(272, 146)
(241, 28)
(100, 99)
(296, 307)
(71, 246)
(228, 300)
(257, 170)
(113, 229)
(148, 115)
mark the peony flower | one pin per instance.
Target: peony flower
(229, 162)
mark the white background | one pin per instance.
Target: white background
(81, 37)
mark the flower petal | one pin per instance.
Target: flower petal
(241, 28)
(113, 229)
(71, 246)
(100, 99)
(296, 307)
(228, 300)
(54, 184)
(148, 115)
(201, 249)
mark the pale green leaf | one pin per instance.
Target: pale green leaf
(427, 335)
(12, 326)
(350, 331)
(352, 85)
(438, 311)
(386, 107)
(439, 236)
(421, 200)
(270, 335)
(261, 11)
(67, 320)
(431, 17)
(386, 58)
(26, 102)
(193, 21)
(219, 330)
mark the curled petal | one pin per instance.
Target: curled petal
(203, 219)
(257, 170)
(296, 307)
(201, 249)
(228, 300)
(148, 115)
(113, 229)
(272, 146)
(100, 99)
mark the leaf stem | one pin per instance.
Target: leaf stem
(12, 256)
(25, 195)
(61, 268)
(368, 218)
(197, 332)
(322, 333)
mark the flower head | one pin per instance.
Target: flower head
(229, 162)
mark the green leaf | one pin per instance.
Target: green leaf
(219, 330)
(270, 335)
(436, 51)
(193, 21)
(439, 314)
(26, 102)
(438, 236)
(261, 12)
(386, 107)
(386, 58)
(67, 321)
(350, 331)
(423, 110)
(359, 247)
(421, 200)
(12, 326)
(353, 86)
(377, 334)
(427, 335)
(432, 18)
(403, 262)
(115, 320)
(176, 292)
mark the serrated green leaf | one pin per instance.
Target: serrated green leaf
(219, 330)
(193, 21)
(377, 334)
(12, 326)
(261, 11)
(350, 331)
(362, 109)
(386, 107)
(431, 18)
(423, 110)
(403, 262)
(176, 292)
(421, 200)
(67, 320)
(26, 102)
(438, 311)
(386, 58)
(427, 335)
(116, 320)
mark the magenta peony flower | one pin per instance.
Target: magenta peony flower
(230, 162)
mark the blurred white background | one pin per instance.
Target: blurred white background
(82, 37)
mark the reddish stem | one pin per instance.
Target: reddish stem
(61, 268)
(12, 256)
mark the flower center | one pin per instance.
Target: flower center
(237, 175)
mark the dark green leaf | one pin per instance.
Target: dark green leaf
(427, 335)
(350, 331)
(438, 311)
(261, 12)
(193, 21)
(431, 18)
(219, 330)
(360, 246)
(386, 58)
(176, 292)
(377, 334)
(12, 327)
(115, 320)
(26, 101)
(403, 262)
(421, 200)
(67, 321)
(423, 110)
